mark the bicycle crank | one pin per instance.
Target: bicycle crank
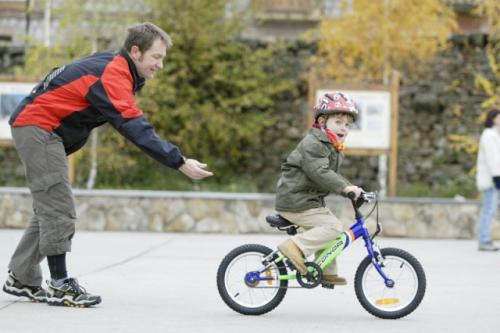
(313, 277)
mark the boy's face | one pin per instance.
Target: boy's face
(340, 125)
(149, 61)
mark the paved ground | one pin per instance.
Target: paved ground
(166, 283)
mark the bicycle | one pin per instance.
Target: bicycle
(389, 283)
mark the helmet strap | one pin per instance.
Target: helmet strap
(339, 146)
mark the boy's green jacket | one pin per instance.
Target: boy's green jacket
(309, 174)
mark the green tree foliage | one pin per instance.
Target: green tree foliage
(218, 98)
(215, 98)
(371, 37)
(223, 100)
(83, 27)
(491, 10)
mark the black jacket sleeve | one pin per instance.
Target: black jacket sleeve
(115, 101)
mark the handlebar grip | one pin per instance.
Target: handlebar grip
(351, 195)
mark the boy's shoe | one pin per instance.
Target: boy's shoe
(71, 294)
(14, 287)
(487, 247)
(334, 279)
(292, 252)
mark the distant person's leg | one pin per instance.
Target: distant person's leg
(488, 210)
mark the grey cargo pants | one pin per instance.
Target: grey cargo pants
(53, 224)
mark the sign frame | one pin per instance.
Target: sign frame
(17, 86)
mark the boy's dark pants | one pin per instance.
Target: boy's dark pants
(53, 224)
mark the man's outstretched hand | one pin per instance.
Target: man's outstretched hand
(194, 169)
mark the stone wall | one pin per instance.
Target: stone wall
(208, 212)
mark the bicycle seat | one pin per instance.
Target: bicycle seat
(278, 221)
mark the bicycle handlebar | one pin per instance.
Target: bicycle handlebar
(365, 196)
(351, 195)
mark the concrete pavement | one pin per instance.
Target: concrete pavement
(164, 282)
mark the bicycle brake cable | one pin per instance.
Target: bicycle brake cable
(370, 213)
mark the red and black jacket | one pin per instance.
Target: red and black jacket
(74, 99)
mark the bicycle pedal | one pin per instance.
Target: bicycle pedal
(290, 265)
(328, 285)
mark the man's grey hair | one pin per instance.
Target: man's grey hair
(143, 35)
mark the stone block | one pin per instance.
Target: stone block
(418, 228)
(171, 209)
(155, 222)
(394, 228)
(227, 221)
(208, 225)
(182, 223)
(244, 220)
(197, 208)
(125, 218)
(96, 220)
(16, 220)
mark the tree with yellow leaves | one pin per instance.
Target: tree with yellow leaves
(491, 10)
(372, 37)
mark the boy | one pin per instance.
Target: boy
(309, 174)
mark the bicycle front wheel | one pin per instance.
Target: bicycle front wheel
(247, 298)
(406, 294)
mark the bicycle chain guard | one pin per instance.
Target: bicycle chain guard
(313, 277)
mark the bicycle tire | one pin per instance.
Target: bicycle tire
(417, 271)
(223, 289)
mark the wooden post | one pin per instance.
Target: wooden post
(311, 99)
(393, 167)
(71, 169)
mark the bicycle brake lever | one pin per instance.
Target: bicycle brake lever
(369, 196)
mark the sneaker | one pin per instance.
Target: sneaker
(334, 279)
(14, 287)
(292, 252)
(71, 294)
(487, 247)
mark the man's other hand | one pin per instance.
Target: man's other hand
(194, 169)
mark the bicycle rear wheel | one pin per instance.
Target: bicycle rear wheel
(406, 294)
(250, 298)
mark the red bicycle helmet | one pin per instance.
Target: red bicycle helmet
(334, 103)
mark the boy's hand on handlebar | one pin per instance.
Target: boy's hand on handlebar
(194, 169)
(354, 189)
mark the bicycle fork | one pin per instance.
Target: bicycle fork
(359, 230)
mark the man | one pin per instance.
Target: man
(55, 120)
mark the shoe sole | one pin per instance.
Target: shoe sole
(72, 304)
(23, 293)
(334, 284)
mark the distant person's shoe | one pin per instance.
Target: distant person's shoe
(71, 294)
(14, 287)
(487, 247)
